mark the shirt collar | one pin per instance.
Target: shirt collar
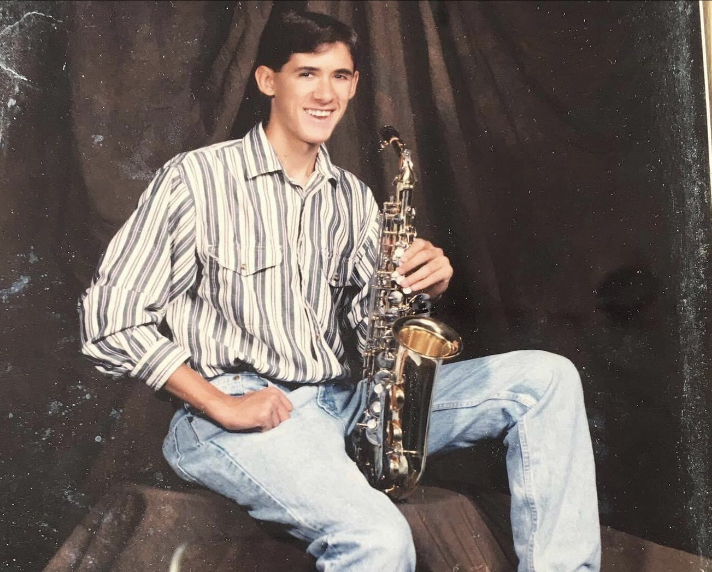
(261, 157)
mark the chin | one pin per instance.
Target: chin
(317, 138)
(317, 134)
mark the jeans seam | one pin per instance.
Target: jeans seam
(529, 491)
(473, 403)
(259, 485)
(180, 456)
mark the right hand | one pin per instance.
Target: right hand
(259, 410)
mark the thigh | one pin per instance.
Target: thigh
(297, 474)
(484, 397)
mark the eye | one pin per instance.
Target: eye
(306, 74)
(341, 76)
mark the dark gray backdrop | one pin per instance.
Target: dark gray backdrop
(563, 158)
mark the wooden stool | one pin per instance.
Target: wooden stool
(141, 529)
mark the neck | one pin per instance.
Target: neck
(298, 157)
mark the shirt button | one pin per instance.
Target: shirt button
(237, 377)
(243, 266)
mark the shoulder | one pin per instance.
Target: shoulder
(210, 155)
(354, 187)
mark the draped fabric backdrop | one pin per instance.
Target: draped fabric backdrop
(561, 149)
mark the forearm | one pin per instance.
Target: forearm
(261, 410)
(188, 385)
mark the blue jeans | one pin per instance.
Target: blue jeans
(300, 476)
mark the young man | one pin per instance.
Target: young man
(258, 254)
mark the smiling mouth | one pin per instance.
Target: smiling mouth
(319, 113)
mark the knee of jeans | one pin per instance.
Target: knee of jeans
(552, 372)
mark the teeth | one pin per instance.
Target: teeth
(319, 112)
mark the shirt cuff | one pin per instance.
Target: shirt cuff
(159, 362)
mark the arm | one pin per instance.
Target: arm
(263, 410)
(147, 265)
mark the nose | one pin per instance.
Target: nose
(324, 91)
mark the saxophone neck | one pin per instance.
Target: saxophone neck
(406, 172)
(405, 179)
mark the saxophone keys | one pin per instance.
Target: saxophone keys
(385, 360)
(376, 408)
(391, 315)
(396, 432)
(382, 377)
(395, 297)
(372, 432)
(398, 465)
(393, 465)
(398, 398)
(369, 425)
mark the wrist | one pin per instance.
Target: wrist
(215, 405)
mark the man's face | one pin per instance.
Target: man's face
(310, 93)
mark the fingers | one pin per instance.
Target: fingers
(425, 265)
(287, 404)
(277, 408)
(417, 246)
(428, 275)
(261, 410)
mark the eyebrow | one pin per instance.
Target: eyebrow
(344, 71)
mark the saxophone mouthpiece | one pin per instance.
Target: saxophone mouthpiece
(388, 133)
(389, 136)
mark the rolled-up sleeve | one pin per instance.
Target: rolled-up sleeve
(146, 266)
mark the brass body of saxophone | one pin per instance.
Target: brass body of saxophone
(404, 350)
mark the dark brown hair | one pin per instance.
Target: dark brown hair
(294, 32)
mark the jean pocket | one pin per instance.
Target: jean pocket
(204, 428)
(337, 401)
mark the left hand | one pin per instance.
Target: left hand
(425, 268)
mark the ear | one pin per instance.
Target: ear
(265, 80)
(353, 85)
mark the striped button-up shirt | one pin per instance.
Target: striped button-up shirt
(249, 270)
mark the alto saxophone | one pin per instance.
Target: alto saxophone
(403, 352)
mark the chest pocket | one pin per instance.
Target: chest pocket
(246, 260)
(242, 281)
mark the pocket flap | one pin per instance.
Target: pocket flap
(245, 260)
